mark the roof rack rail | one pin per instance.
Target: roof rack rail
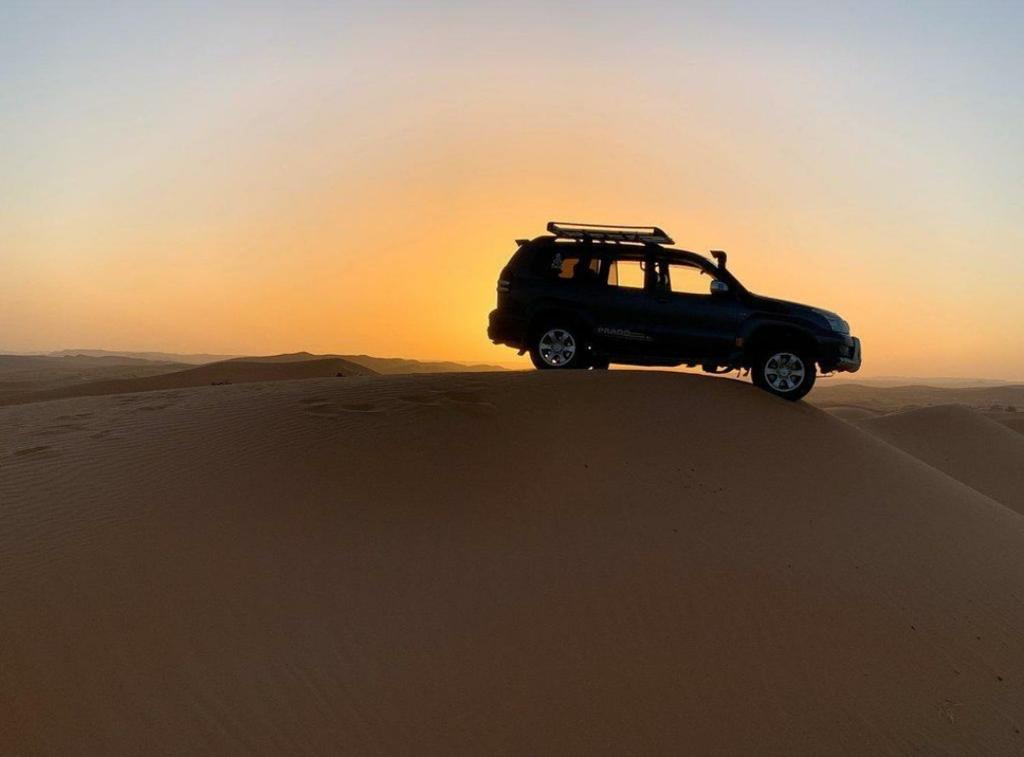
(605, 233)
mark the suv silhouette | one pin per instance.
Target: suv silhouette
(587, 295)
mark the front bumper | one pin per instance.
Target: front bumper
(848, 360)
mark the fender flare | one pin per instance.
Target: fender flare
(761, 333)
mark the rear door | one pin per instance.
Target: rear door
(560, 282)
(621, 304)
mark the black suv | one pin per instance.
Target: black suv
(586, 296)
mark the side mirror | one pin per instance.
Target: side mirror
(719, 287)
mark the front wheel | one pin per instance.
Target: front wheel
(785, 373)
(558, 346)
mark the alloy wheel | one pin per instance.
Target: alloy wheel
(557, 347)
(784, 371)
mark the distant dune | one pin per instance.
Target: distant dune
(1003, 403)
(33, 378)
(890, 398)
(228, 372)
(1013, 421)
(505, 563)
(930, 381)
(396, 365)
(959, 441)
(170, 357)
(24, 374)
(386, 365)
(42, 367)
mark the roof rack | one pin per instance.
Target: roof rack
(603, 233)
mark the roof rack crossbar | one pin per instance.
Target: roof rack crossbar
(609, 233)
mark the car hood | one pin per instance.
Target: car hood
(773, 305)
(819, 317)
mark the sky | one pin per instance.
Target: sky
(256, 178)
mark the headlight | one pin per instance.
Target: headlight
(835, 323)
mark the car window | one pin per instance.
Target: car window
(688, 279)
(628, 274)
(559, 265)
(591, 272)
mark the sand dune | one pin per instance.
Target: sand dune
(851, 413)
(517, 563)
(1013, 420)
(395, 365)
(382, 365)
(385, 365)
(897, 398)
(21, 374)
(963, 443)
(228, 372)
(31, 378)
(172, 357)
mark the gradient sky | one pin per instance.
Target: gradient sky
(349, 177)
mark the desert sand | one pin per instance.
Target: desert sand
(1014, 421)
(546, 563)
(1003, 397)
(21, 375)
(34, 378)
(999, 401)
(235, 371)
(971, 448)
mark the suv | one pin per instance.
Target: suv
(586, 296)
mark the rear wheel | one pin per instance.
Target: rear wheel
(786, 373)
(558, 346)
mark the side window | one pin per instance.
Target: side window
(628, 274)
(575, 267)
(563, 267)
(555, 262)
(689, 279)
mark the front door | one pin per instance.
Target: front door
(688, 320)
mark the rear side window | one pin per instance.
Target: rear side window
(628, 274)
(568, 264)
(563, 267)
(556, 262)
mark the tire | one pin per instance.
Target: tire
(558, 346)
(784, 372)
